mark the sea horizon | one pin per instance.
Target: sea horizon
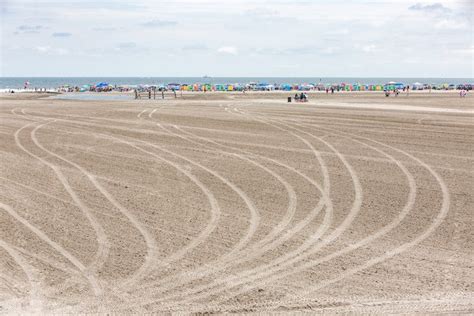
(53, 81)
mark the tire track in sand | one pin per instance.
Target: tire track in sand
(91, 278)
(35, 298)
(236, 254)
(152, 247)
(101, 238)
(149, 240)
(235, 280)
(290, 189)
(215, 209)
(384, 230)
(266, 243)
(406, 246)
(254, 220)
(408, 206)
(141, 113)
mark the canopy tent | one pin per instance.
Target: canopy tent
(306, 87)
(102, 85)
(320, 86)
(265, 86)
(417, 86)
(219, 87)
(85, 88)
(392, 85)
(174, 86)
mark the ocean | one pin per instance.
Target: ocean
(54, 82)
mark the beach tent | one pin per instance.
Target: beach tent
(392, 85)
(320, 87)
(286, 87)
(174, 86)
(219, 87)
(84, 88)
(264, 86)
(417, 86)
(306, 87)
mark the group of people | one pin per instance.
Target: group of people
(303, 97)
(463, 93)
(396, 91)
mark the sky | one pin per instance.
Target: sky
(237, 38)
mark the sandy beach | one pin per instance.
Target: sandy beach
(233, 202)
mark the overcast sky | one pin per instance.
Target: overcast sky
(398, 38)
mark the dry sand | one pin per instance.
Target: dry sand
(237, 203)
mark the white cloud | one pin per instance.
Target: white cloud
(61, 34)
(469, 51)
(435, 7)
(451, 24)
(51, 51)
(231, 50)
(61, 51)
(267, 35)
(159, 23)
(42, 49)
(370, 48)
